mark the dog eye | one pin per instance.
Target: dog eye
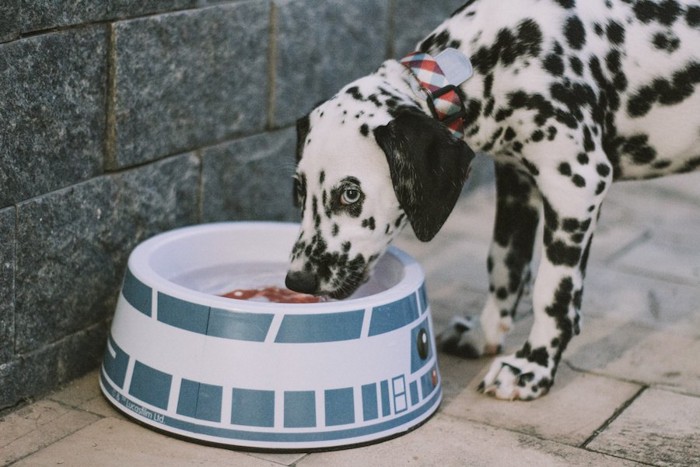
(350, 196)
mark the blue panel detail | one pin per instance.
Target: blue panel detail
(136, 410)
(299, 409)
(150, 385)
(423, 298)
(322, 327)
(340, 407)
(115, 367)
(238, 325)
(386, 405)
(209, 402)
(187, 400)
(421, 346)
(253, 408)
(393, 315)
(137, 293)
(415, 398)
(370, 411)
(182, 314)
(426, 382)
(400, 397)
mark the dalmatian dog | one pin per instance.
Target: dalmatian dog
(567, 96)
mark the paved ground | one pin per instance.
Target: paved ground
(628, 392)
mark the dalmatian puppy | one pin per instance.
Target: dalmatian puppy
(567, 96)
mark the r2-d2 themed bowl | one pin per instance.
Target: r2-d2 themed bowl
(263, 375)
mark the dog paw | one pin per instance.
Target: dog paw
(513, 378)
(464, 338)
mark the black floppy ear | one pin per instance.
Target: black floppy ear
(302, 133)
(428, 166)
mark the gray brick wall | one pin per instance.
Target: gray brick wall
(121, 119)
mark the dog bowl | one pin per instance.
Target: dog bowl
(185, 360)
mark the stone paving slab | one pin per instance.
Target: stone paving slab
(112, 442)
(447, 441)
(587, 399)
(660, 428)
(36, 426)
(626, 351)
(667, 254)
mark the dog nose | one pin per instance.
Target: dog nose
(301, 281)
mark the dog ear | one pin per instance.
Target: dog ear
(302, 132)
(428, 167)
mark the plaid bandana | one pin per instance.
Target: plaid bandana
(444, 101)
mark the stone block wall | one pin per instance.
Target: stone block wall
(120, 119)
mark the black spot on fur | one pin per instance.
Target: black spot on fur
(615, 33)
(575, 33)
(667, 42)
(576, 65)
(364, 129)
(665, 91)
(579, 181)
(354, 91)
(525, 41)
(566, 3)
(565, 169)
(554, 64)
(692, 16)
(665, 12)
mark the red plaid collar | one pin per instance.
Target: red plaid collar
(444, 99)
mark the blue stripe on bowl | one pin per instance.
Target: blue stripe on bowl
(115, 367)
(386, 405)
(150, 385)
(414, 393)
(322, 327)
(393, 315)
(137, 293)
(199, 400)
(299, 409)
(243, 436)
(423, 298)
(182, 314)
(370, 411)
(340, 407)
(253, 407)
(239, 325)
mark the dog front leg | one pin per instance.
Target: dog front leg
(517, 216)
(570, 214)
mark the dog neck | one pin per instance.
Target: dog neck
(438, 79)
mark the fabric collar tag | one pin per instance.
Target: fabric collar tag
(439, 78)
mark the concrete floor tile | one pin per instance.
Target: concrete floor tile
(659, 428)
(79, 391)
(612, 294)
(112, 442)
(446, 441)
(673, 256)
(37, 426)
(662, 359)
(588, 399)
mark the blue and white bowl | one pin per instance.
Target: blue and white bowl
(266, 375)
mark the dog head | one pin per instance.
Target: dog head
(369, 160)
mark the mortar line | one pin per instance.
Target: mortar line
(616, 414)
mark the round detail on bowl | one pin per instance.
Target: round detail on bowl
(185, 360)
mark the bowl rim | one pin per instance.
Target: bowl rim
(412, 278)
